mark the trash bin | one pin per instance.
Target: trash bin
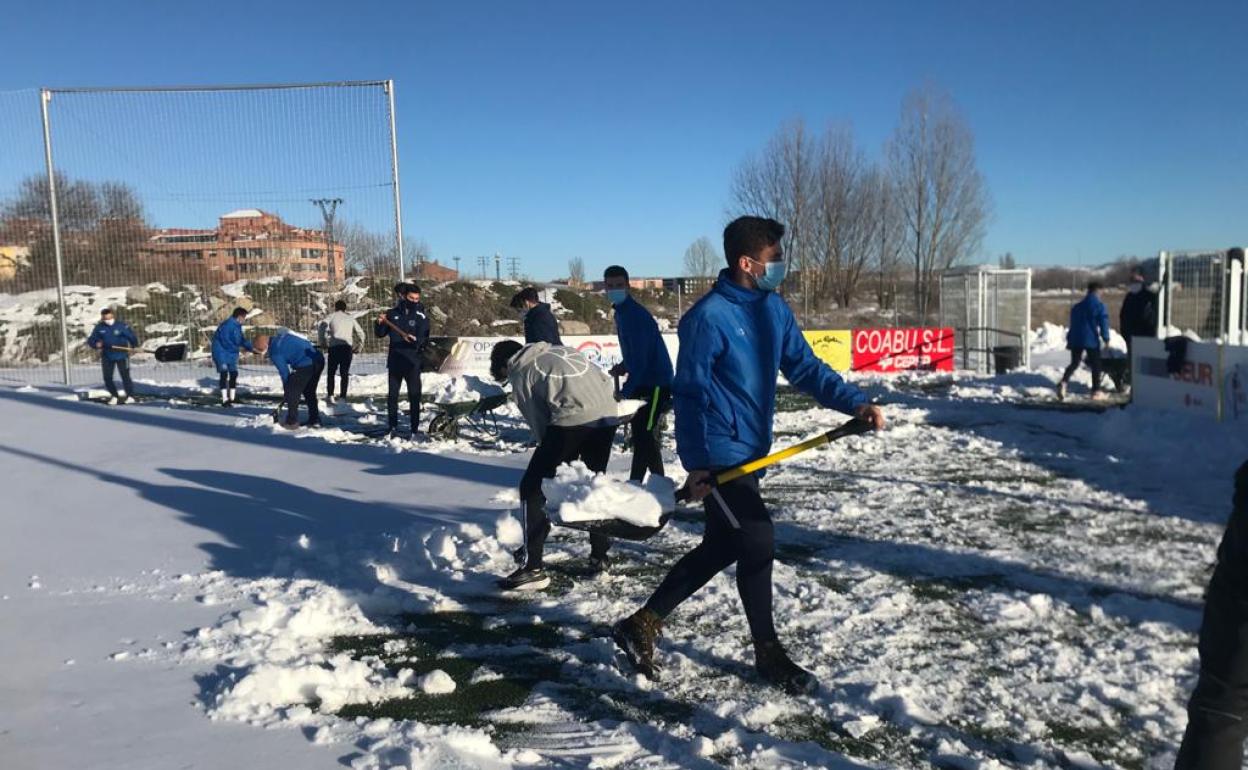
(1006, 357)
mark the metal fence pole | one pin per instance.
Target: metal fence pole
(45, 96)
(394, 179)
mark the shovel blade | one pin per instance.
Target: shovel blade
(617, 529)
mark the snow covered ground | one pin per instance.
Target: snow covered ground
(986, 584)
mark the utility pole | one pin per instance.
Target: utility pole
(513, 267)
(498, 266)
(329, 208)
(457, 275)
(483, 262)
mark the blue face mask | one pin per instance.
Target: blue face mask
(773, 274)
(616, 296)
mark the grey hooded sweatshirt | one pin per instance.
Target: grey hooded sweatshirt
(338, 328)
(556, 385)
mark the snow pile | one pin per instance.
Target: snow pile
(1047, 339)
(458, 390)
(628, 407)
(436, 682)
(579, 494)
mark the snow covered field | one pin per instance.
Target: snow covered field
(985, 584)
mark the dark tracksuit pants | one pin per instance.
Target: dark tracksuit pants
(303, 382)
(228, 379)
(738, 531)
(122, 366)
(1217, 714)
(591, 445)
(647, 454)
(400, 373)
(339, 361)
(1094, 363)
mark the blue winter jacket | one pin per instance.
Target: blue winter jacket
(1089, 324)
(119, 333)
(227, 341)
(290, 351)
(645, 356)
(732, 342)
(540, 325)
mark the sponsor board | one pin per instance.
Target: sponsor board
(832, 346)
(901, 350)
(471, 355)
(1195, 388)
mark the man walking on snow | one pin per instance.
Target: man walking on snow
(299, 364)
(337, 335)
(648, 367)
(570, 405)
(732, 344)
(407, 326)
(540, 324)
(227, 341)
(1089, 324)
(114, 339)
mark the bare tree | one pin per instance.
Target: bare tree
(887, 235)
(576, 272)
(1007, 261)
(842, 228)
(416, 251)
(780, 183)
(701, 258)
(941, 193)
(366, 252)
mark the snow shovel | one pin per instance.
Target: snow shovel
(174, 351)
(622, 530)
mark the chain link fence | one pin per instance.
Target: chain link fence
(173, 206)
(1202, 295)
(989, 309)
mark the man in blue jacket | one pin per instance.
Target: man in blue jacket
(1089, 325)
(732, 344)
(227, 341)
(540, 324)
(407, 326)
(299, 364)
(114, 339)
(648, 367)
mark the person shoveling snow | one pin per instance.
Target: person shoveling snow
(577, 494)
(570, 405)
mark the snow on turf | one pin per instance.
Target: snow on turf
(578, 494)
(980, 585)
(458, 390)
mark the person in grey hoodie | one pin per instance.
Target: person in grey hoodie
(337, 335)
(570, 405)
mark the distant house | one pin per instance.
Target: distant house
(635, 283)
(249, 243)
(13, 257)
(434, 272)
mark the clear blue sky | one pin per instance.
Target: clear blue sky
(549, 130)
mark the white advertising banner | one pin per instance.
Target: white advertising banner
(471, 355)
(1196, 388)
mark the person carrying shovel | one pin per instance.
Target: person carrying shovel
(115, 340)
(407, 326)
(733, 342)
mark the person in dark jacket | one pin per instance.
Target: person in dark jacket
(648, 368)
(227, 341)
(299, 364)
(1089, 326)
(733, 342)
(114, 339)
(1138, 315)
(1217, 714)
(407, 326)
(540, 324)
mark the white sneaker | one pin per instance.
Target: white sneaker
(113, 401)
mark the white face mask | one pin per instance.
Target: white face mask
(110, 321)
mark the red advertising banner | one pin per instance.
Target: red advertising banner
(903, 350)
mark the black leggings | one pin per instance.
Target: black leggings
(303, 382)
(229, 379)
(398, 377)
(647, 454)
(339, 360)
(1094, 362)
(589, 444)
(122, 366)
(738, 530)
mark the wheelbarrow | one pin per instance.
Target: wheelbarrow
(479, 414)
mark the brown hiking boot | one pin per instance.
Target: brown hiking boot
(635, 636)
(774, 665)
